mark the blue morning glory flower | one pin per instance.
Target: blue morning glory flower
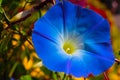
(73, 40)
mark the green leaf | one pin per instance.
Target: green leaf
(0, 2)
(5, 41)
(26, 77)
(1, 10)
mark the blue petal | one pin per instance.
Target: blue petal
(82, 21)
(54, 18)
(78, 67)
(44, 28)
(68, 19)
(86, 23)
(92, 26)
(103, 49)
(51, 54)
(85, 63)
(57, 1)
(47, 35)
(99, 33)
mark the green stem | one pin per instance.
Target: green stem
(40, 14)
(58, 76)
(13, 69)
(64, 77)
(5, 15)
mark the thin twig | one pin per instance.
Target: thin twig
(30, 42)
(106, 76)
(5, 15)
(41, 5)
(29, 12)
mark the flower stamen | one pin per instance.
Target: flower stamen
(69, 47)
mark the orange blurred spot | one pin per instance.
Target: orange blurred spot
(37, 73)
(28, 45)
(34, 55)
(27, 63)
(80, 78)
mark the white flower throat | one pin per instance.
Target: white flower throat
(71, 43)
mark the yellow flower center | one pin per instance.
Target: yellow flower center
(69, 47)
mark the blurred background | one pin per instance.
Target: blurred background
(18, 60)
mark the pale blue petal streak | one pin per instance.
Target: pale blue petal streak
(54, 18)
(44, 28)
(50, 53)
